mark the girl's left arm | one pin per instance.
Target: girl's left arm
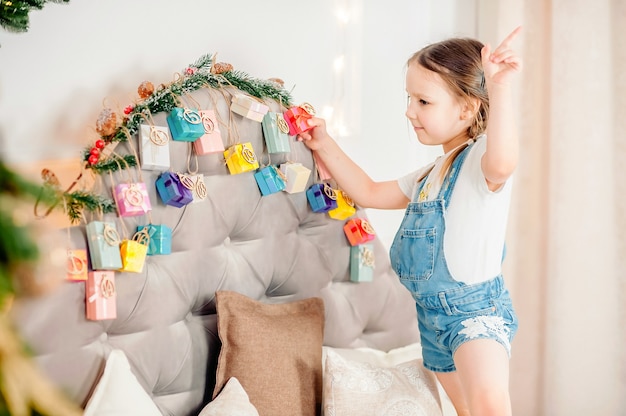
(501, 155)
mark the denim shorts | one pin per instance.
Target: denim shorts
(449, 318)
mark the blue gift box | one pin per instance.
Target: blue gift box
(322, 197)
(362, 263)
(276, 133)
(103, 241)
(172, 191)
(269, 180)
(160, 239)
(185, 124)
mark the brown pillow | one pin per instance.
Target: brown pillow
(274, 350)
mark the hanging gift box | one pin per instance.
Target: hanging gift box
(76, 265)
(100, 296)
(276, 133)
(211, 140)
(185, 124)
(154, 147)
(103, 241)
(358, 231)
(241, 158)
(322, 171)
(270, 180)
(362, 263)
(296, 176)
(160, 239)
(133, 252)
(132, 199)
(345, 207)
(195, 183)
(297, 118)
(172, 191)
(321, 197)
(248, 107)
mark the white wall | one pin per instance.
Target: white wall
(54, 78)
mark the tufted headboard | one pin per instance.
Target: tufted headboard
(271, 248)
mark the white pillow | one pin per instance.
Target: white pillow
(232, 401)
(118, 392)
(366, 381)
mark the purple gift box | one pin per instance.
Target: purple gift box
(172, 191)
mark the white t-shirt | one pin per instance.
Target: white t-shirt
(476, 217)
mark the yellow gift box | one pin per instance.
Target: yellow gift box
(345, 207)
(133, 256)
(241, 158)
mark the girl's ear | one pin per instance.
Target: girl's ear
(470, 108)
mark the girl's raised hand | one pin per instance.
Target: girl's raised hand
(313, 138)
(502, 62)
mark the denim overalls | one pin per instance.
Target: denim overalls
(449, 312)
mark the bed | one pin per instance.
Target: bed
(255, 309)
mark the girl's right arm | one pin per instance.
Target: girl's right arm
(349, 176)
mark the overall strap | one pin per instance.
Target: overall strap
(453, 173)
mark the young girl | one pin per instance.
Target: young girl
(450, 245)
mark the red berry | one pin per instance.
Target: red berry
(100, 144)
(128, 109)
(93, 159)
(94, 151)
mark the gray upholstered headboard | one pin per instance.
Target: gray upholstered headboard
(271, 248)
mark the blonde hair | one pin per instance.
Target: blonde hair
(458, 62)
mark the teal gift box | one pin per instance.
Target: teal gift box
(160, 239)
(276, 133)
(269, 180)
(362, 263)
(185, 124)
(103, 241)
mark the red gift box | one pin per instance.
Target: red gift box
(297, 118)
(358, 231)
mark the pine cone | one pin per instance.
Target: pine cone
(278, 81)
(145, 89)
(221, 67)
(107, 122)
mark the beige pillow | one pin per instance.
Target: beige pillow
(232, 401)
(274, 350)
(370, 387)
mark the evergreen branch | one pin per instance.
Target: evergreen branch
(113, 164)
(14, 13)
(78, 201)
(203, 63)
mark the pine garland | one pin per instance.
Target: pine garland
(200, 74)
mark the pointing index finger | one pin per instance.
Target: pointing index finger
(507, 41)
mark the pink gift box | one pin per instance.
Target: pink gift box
(322, 170)
(132, 199)
(100, 295)
(211, 141)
